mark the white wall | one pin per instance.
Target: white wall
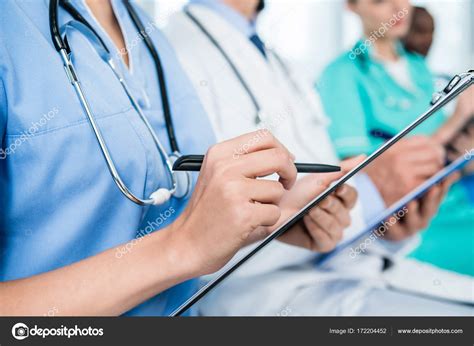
(311, 32)
(325, 28)
(452, 50)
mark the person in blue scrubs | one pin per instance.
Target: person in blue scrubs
(374, 91)
(70, 242)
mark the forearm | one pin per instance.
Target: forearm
(103, 284)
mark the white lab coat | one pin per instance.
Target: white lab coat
(293, 112)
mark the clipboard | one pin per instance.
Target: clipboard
(419, 191)
(457, 85)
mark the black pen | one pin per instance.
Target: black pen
(193, 163)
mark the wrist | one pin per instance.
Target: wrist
(182, 253)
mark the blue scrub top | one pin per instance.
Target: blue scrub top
(58, 201)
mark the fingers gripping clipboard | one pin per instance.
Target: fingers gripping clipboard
(454, 166)
(456, 86)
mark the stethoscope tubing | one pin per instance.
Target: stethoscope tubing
(234, 68)
(98, 134)
(259, 113)
(161, 195)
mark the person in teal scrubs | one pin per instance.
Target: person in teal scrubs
(376, 89)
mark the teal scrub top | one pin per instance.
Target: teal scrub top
(360, 96)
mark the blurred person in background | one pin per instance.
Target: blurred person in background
(246, 86)
(420, 35)
(376, 89)
(419, 39)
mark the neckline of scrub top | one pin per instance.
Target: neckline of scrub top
(402, 59)
(119, 11)
(400, 72)
(377, 67)
(131, 74)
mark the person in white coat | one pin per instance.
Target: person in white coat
(245, 86)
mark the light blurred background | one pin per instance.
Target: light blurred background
(312, 32)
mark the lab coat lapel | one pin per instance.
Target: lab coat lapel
(286, 112)
(241, 50)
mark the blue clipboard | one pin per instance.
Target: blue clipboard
(454, 166)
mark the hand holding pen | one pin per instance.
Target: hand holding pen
(193, 163)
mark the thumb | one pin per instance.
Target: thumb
(346, 166)
(349, 164)
(313, 184)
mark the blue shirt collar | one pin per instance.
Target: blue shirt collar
(238, 21)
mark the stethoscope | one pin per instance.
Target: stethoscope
(259, 114)
(235, 70)
(161, 195)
